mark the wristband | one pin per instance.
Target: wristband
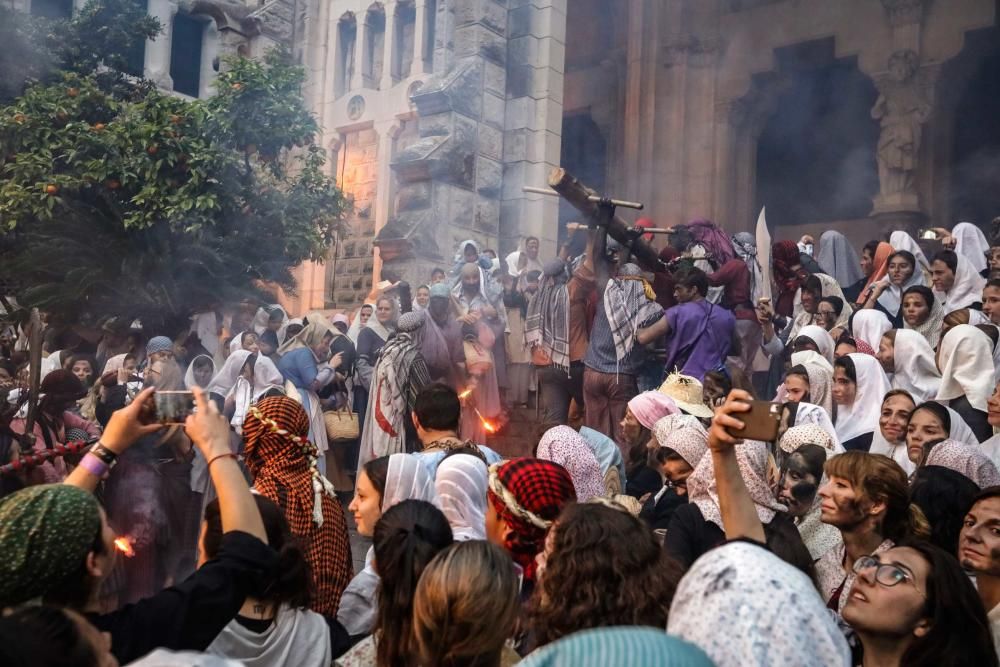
(94, 465)
(107, 456)
(220, 456)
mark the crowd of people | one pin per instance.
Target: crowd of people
(642, 528)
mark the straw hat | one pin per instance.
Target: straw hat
(687, 393)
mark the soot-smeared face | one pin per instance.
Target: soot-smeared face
(797, 486)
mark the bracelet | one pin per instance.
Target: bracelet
(107, 456)
(227, 455)
(94, 465)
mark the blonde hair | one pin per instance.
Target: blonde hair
(465, 606)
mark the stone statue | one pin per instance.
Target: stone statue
(902, 108)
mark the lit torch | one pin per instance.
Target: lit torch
(490, 428)
(124, 545)
(465, 394)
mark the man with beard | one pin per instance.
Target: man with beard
(481, 313)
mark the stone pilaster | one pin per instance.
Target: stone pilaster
(449, 180)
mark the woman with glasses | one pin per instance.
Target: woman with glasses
(914, 605)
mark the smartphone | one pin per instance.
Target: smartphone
(761, 422)
(173, 407)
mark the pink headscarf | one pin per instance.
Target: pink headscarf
(564, 446)
(650, 407)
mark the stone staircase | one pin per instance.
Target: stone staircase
(517, 436)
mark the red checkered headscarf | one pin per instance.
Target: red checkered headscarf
(283, 464)
(528, 494)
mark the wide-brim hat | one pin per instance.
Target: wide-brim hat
(688, 394)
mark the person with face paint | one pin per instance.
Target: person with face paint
(979, 553)
(804, 452)
(866, 498)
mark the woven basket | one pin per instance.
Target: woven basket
(341, 425)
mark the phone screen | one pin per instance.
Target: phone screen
(173, 407)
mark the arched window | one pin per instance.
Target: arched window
(374, 46)
(347, 37)
(430, 30)
(405, 31)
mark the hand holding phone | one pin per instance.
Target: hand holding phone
(731, 420)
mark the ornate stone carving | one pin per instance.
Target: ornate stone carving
(904, 12)
(355, 107)
(903, 106)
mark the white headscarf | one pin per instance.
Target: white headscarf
(263, 316)
(808, 413)
(820, 373)
(903, 241)
(966, 366)
(869, 325)
(356, 327)
(915, 368)
(266, 377)
(407, 479)
(971, 243)
(743, 606)
(966, 290)
(823, 341)
(861, 416)
(461, 485)
(752, 457)
(828, 287)
(189, 380)
(225, 379)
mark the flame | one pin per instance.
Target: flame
(487, 424)
(124, 545)
(465, 394)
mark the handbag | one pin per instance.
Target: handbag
(341, 425)
(478, 359)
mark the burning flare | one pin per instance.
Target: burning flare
(465, 394)
(487, 424)
(124, 545)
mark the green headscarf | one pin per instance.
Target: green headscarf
(45, 533)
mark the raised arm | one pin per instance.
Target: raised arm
(739, 516)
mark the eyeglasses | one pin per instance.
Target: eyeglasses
(886, 574)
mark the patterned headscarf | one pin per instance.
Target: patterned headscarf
(630, 304)
(283, 464)
(46, 532)
(806, 434)
(685, 435)
(752, 458)
(528, 494)
(966, 459)
(566, 447)
(743, 605)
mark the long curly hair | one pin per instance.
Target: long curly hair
(605, 569)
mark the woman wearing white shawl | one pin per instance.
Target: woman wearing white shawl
(191, 380)
(824, 342)
(909, 358)
(859, 418)
(820, 372)
(406, 479)
(265, 315)
(225, 379)
(838, 259)
(366, 310)
(264, 380)
(461, 483)
(828, 287)
(809, 413)
(971, 243)
(888, 292)
(966, 288)
(903, 241)
(869, 325)
(966, 361)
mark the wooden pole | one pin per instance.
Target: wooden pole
(579, 196)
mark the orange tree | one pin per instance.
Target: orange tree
(119, 199)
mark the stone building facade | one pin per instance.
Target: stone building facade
(858, 115)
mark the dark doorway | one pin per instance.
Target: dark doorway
(584, 153)
(816, 154)
(973, 194)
